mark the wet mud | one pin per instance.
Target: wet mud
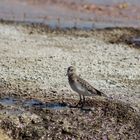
(109, 119)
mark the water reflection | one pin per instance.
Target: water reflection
(29, 103)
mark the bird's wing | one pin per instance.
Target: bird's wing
(90, 88)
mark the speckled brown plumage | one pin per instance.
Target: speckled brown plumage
(82, 87)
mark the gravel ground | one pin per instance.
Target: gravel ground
(34, 58)
(34, 62)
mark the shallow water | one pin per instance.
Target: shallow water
(34, 103)
(68, 14)
(135, 41)
(8, 101)
(113, 1)
(29, 103)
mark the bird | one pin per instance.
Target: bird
(82, 87)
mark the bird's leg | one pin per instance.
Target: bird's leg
(79, 100)
(79, 103)
(83, 102)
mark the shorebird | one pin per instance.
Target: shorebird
(82, 87)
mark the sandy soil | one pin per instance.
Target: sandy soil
(33, 64)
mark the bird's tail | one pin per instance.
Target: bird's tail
(104, 95)
(101, 93)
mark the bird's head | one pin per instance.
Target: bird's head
(71, 70)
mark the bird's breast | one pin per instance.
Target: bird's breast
(76, 86)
